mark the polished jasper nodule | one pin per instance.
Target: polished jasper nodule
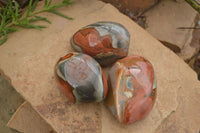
(105, 41)
(132, 91)
(81, 78)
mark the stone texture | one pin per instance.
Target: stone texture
(27, 120)
(132, 7)
(28, 62)
(164, 25)
(196, 34)
(10, 100)
(80, 78)
(196, 64)
(132, 87)
(107, 42)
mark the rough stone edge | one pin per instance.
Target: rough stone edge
(15, 114)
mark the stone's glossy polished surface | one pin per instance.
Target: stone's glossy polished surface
(132, 89)
(81, 78)
(105, 41)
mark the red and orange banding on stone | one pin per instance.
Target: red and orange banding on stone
(103, 41)
(135, 88)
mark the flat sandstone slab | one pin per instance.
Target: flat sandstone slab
(29, 56)
(27, 120)
(165, 18)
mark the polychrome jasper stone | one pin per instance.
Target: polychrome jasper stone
(81, 78)
(132, 89)
(105, 41)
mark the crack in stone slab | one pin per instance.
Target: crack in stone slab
(164, 120)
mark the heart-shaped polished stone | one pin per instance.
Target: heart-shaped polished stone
(81, 78)
(132, 89)
(105, 41)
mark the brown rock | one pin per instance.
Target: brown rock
(132, 7)
(196, 34)
(164, 21)
(179, 0)
(29, 60)
(27, 120)
(196, 64)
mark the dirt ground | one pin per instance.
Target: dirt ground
(10, 100)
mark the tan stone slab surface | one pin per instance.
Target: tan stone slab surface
(163, 21)
(27, 120)
(29, 56)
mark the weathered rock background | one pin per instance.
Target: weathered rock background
(28, 63)
(27, 120)
(9, 101)
(167, 23)
(132, 8)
